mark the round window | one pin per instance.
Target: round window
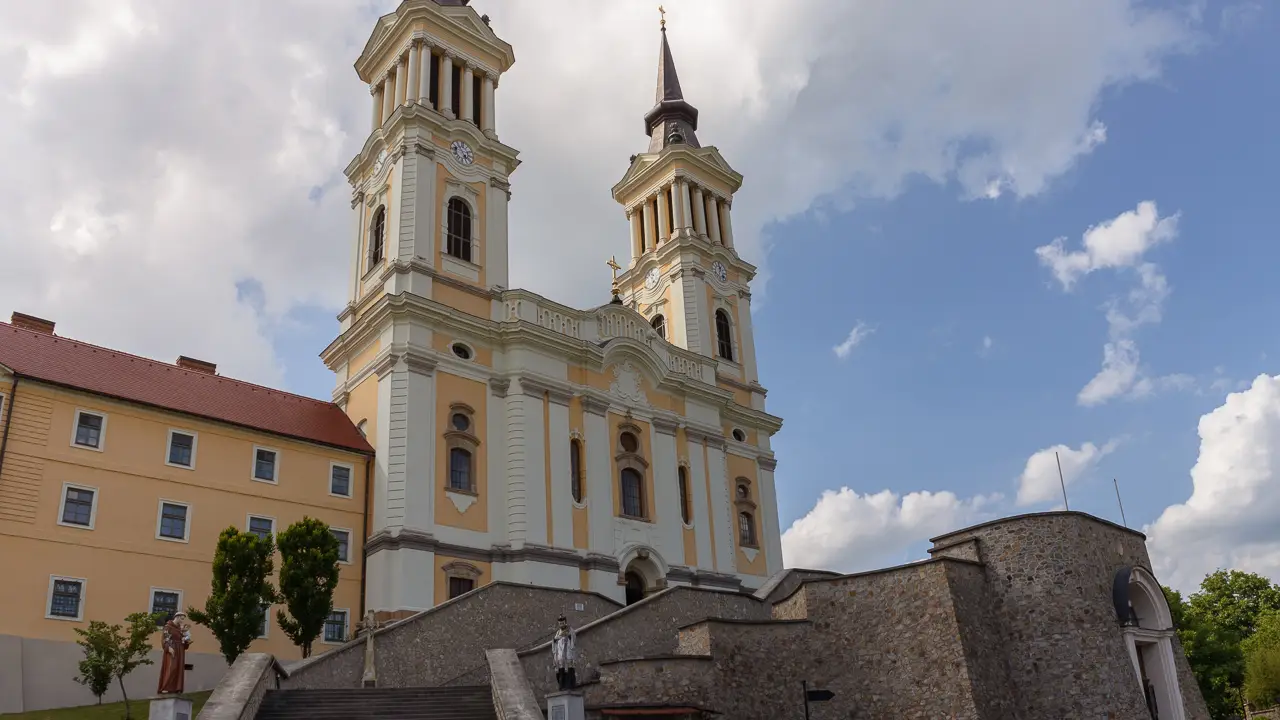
(461, 351)
(629, 442)
(739, 435)
(461, 422)
(743, 492)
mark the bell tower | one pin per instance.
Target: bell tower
(684, 273)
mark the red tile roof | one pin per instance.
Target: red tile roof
(103, 371)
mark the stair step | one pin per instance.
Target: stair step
(437, 703)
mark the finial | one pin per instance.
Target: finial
(663, 22)
(613, 263)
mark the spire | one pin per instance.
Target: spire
(672, 120)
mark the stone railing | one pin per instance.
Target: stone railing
(513, 699)
(601, 325)
(241, 690)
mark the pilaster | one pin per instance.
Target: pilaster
(769, 515)
(600, 480)
(498, 459)
(702, 523)
(561, 484)
(535, 466)
(720, 513)
(666, 490)
(495, 256)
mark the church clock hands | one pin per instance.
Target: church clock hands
(462, 152)
(651, 279)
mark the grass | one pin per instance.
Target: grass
(108, 711)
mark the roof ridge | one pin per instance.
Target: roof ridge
(161, 363)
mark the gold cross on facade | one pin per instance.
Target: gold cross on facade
(613, 263)
(663, 13)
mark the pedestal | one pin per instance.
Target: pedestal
(170, 708)
(565, 705)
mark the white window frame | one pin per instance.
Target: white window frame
(346, 626)
(48, 598)
(266, 623)
(186, 527)
(102, 432)
(151, 597)
(249, 517)
(469, 269)
(349, 548)
(62, 505)
(195, 444)
(351, 479)
(253, 466)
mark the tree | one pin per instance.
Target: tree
(1235, 599)
(234, 610)
(308, 577)
(1262, 662)
(110, 653)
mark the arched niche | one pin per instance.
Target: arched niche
(1146, 625)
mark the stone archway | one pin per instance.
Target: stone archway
(1147, 626)
(643, 573)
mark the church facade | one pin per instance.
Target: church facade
(616, 449)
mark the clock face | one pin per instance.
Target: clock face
(462, 152)
(717, 269)
(377, 164)
(651, 278)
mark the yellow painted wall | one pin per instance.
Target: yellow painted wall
(452, 389)
(737, 467)
(120, 558)
(442, 581)
(459, 299)
(441, 342)
(363, 358)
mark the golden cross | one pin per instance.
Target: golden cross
(663, 13)
(613, 263)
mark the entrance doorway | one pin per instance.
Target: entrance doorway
(635, 587)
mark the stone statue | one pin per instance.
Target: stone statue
(368, 626)
(563, 653)
(175, 639)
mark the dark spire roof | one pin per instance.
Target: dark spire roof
(672, 119)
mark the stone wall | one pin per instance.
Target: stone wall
(984, 651)
(436, 646)
(650, 627)
(663, 681)
(1048, 584)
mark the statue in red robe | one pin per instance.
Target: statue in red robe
(175, 639)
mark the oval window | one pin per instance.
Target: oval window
(739, 435)
(461, 351)
(461, 422)
(629, 442)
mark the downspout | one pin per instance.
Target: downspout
(364, 538)
(8, 420)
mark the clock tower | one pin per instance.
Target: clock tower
(685, 276)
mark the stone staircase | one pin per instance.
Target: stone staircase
(474, 702)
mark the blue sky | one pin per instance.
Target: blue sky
(868, 141)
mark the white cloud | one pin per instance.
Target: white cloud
(1120, 244)
(1040, 482)
(859, 333)
(1230, 519)
(987, 342)
(161, 156)
(848, 532)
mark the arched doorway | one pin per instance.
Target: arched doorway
(1147, 626)
(635, 587)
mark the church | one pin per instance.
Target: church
(614, 449)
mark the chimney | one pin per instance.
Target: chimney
(195, 365)
(31, 322)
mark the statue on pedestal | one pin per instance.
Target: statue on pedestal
(175, 639)
(563, 653)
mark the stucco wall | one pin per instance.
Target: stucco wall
(437, 646)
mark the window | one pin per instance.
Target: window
(340, 480)
(685, 512)
(461, 351)
(66, 598)
(265, 626)
(344, 544)
(459, 469)
(739, 435)
(182, 449)
(744, 493)
(460, 422)
(265, 465)
(629, 442)
(575, 469)
(378, 236)
(263, 527)
(724, 341)
(746, 530)
(78, 506)
(335, 627)
(173, 521)
(632, 493)
(460, 585)
(89, 427)
(660, 326)
(165, 603)
(458, 240)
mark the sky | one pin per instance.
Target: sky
(987, 232)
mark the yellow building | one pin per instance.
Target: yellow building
(615, 449)
(117, 473)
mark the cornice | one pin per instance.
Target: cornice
(557, 391)
(594, 403)
(665, 425)
(499, 386)
(391, 28)
(419, 117)
(767, 462)
(412, 538)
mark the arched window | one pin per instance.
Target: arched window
(629, 442)
(458, 242)
(724, 341)
(632, 493)
(660, 325)
(575, 469)
(746, 529)
(460, 470)
(378, 236)
(685, 512)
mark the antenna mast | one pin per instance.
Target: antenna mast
(1061, 480)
